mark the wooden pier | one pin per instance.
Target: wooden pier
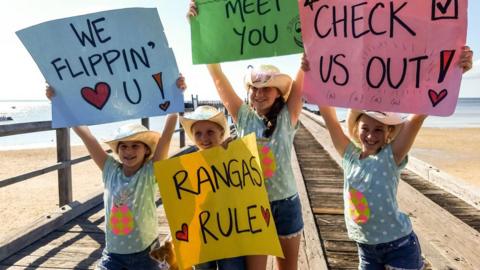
(447, 224)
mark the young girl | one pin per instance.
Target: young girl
(207, 127)
(129, 192)
(275, 105)
(374, 152)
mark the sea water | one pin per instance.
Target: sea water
(34, 111)
(467, 115)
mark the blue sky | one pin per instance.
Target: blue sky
(22, 80)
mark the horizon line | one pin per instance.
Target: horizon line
(45, 100)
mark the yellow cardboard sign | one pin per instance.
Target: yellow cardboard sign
(216, 204)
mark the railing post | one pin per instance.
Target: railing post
(65, 174)
(182, 134)
(195, 102)
(146, 122)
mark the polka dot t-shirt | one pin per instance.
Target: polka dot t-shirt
(130, 211)
(280, 182)
(369, 194)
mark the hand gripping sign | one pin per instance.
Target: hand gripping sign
(217, 205)
(384, 55)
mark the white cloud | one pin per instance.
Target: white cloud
(471, 82)
(474, 73)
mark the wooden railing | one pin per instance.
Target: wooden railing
(57, 217)
(67, 209)
(64, 161)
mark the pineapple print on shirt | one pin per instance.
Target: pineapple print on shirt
(267, 159)
(359, 210)
(121, 217)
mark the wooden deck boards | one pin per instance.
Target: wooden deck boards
(75, 245)
(457, 207)
(447, 242)
(324, 182)
(79, 243)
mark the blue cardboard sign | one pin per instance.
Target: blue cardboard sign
(107, 66)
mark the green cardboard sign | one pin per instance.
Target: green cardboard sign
(228, 30)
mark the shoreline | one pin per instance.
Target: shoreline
(25, 201)
(449, 149)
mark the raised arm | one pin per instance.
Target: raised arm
(163, 145)
(339, 138)
(96, 151)
(94, 148)
(294, 101)
(405, 139)
(230, 99)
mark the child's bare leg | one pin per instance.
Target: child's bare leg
(257, 262)
(290, 247)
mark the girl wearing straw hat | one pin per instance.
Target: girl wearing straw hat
(272, 114)
(275, 103)
(374, 152)
(129, 190)
(207, 128)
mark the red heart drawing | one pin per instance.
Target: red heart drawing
(437, 98)
(164, 106)
(97, 97)
(266, 215)
(182, 235)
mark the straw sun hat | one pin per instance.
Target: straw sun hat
(388, 118)
(204, 113)
(268, 76)
(134, 132)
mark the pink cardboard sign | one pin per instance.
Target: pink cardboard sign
(398, 56)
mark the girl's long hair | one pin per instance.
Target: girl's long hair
(270, 119)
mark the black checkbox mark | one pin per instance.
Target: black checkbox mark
(443, 8)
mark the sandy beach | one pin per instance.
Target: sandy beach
(451, 150)
(24, 202)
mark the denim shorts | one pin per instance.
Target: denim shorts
(139, 260)
(287, 214)
(403, 253)
(237, 263)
